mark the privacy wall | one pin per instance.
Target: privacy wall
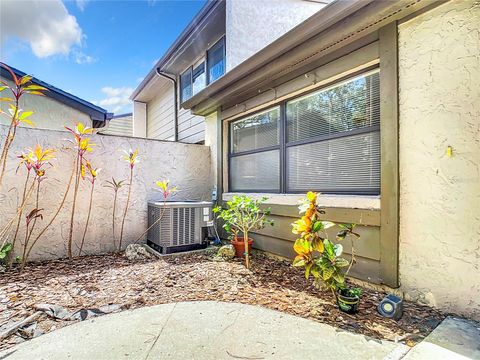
(186, 165)
(439, 83)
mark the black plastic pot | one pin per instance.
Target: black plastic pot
(346, 303)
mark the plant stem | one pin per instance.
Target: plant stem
(88, 219)
(247, 253)
(8, 141)
(126, 209)
(113, 218)
(154, 223)
(78, 164)
(34, 220)
(352, 260)
(55, 215)
(10, 255)
(7, 226)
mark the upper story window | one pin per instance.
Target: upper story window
(327, 141)
(216, 61)
(186, 85)
(199, 78)
(196, 77)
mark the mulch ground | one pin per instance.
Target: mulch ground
(93, 281)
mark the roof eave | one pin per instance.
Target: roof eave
(205, 11)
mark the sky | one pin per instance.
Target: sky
(98, 50)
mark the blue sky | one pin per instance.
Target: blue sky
(97, 50)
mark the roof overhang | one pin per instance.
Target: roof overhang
(202, 32)
(97, 114)
(335, 27)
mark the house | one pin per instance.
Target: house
(120, 125)
(375, 104)
(57, 108)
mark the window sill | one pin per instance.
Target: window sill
(367, 202)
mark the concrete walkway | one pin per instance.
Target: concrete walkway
(202, 330)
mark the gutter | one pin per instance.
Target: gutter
(336, 26)
(203, 14)
(175, 97)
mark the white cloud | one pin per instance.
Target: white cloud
(81, 58)
(45, 25)
(81, 4)
(116, 100)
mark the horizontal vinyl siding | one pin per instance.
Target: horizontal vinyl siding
(120, 126)
(191, 128)
(160, 115)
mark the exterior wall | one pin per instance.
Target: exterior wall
(191, 128)
(439, 81)
(122, 126)
(268, 22)
(161, 121)
(139, 119)
(186, 165)
(160, 115)
(49, 113)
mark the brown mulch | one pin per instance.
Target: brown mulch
(93, 281)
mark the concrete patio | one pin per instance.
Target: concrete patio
(203, 330)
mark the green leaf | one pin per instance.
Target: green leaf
(327, 273)
(308, 267)
(299, 262)
(339, 277)
(317, 226)
(25, 115)
(341, 262)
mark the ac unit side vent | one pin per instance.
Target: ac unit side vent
(180, 227)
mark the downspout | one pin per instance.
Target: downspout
(175, 90)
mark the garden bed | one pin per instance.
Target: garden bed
(94, 281)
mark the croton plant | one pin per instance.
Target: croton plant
(320, 256)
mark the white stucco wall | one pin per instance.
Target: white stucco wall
(251, 25)
(187, 166)
(439, 80)
(48, 113)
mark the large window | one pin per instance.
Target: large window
(327, 141)
(196, 77)
(216, 61)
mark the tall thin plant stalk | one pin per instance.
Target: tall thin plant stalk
(10, 255)
(127, 203)
(166, 192)
(21, 86)
(93, 176)
(74, 203)
(115, 185)
(60, 207)
(132, 159)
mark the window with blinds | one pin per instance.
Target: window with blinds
(330, 142)
(255, 152)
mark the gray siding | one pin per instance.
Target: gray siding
(122, 126)
(160, 115)
(191, 128)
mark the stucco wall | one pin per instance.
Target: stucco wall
(439, 80)
(250, 27)
(187, 166)
(48, 113)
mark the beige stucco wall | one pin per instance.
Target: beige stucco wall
(439, 80)
(187, 166)
(250, 27)
(48, 113)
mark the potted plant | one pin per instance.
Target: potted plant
(321, 257)
(241, 215)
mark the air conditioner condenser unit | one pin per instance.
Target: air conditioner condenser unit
(183, 226)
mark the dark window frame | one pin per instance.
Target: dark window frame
(207, 69)
(284, 145)
(191, 68)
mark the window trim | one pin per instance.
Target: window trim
(203, 59)
(283, 145)
(221, 40)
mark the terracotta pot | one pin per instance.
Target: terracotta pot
(239, 246)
